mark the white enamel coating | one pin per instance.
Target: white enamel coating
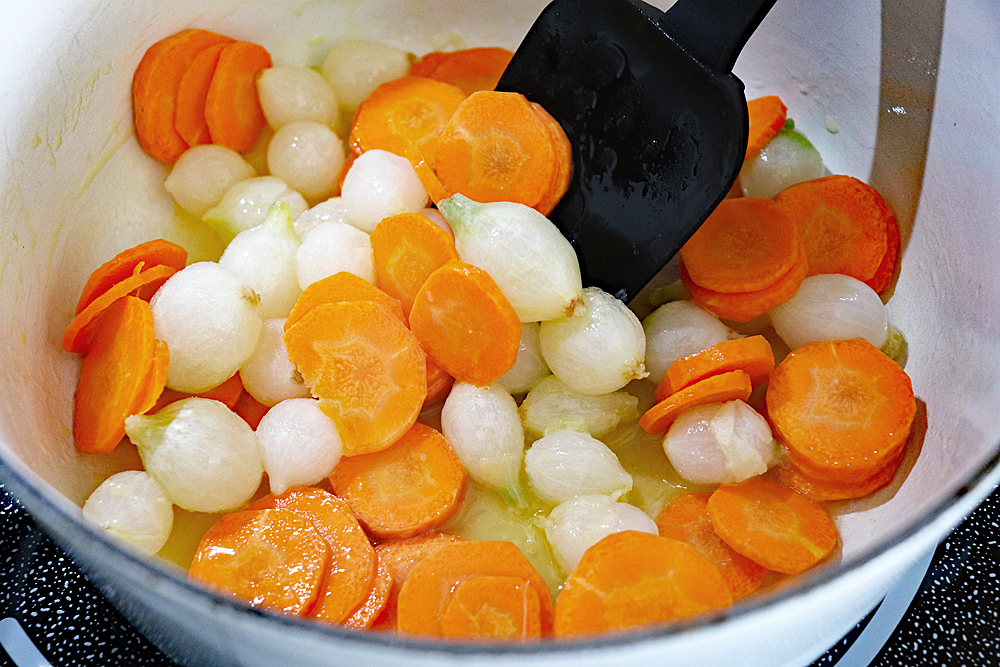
(75, 188)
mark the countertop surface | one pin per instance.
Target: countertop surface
(952, 615)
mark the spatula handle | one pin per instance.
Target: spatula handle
(715, 32)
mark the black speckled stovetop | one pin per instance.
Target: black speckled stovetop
(954, 618)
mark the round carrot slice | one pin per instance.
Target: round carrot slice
(471, 70)
(767, 117)
(352, 562)
(495, 608)
(822, 490)
(411, 487)
(407, 249)
(751, 355)
(339, 287)
(631, 579)
(411, 111)
(189, 118)
(365, 615)
(744, 306)
(366, 368)
(401, 556)
(154, 90)
(685, 518)
(731, 386)
(840, 406)
(842, 222)
(114, 375)
(156, 379)
(273, 558)
(883, 274)
(564, 161)
(123, 265)
(496, 148)
(439, 383)
(466, 323)
(745, 245)
(426, 174)
(431, 584)
(81, 329)
(772, 525)
(232, 107)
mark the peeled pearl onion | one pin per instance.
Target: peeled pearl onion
(308, 156)
(567, 463)
(299, 444)
(333, 247)
(380, 184)
(482, 426)
(268, 375)
(288, 94)
(578, 524)
(203, 174)
(675, 330)
(132, 506)
(831, 307)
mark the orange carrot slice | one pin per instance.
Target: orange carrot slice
(411, 111)
(466, 323)
(439, 383)
(772, 525)
(426, 174)
(494, 608)
(471, 70)
(564, 161)
(883, 274)
(232, 108)
(365, 615)
(818, 489)
(271, 558)
(843, 223)
(350, 573)
(744, 306)
(632, 579)
(767, 117)
(411, 487)
(840, 407)
(751, 355)
(227, 393)
(399, 557)
(81, 329)
(731, 386)
(745, 245)
(155, 381)
(338, 288)
(496, 148)
(366, 368)
(250, 409)
(685, 518)
(154, 90)
(123, 265)
(407, 249)
(112, 380)
(189, 117)
(430, 586)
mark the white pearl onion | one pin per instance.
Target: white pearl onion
(299, 444)
(331, 210)
(721, 443)
(380, 184)
(210, 321)
(530, 367)
(675, 330)
(552, 406)
(333, 247)
(204, 456)
(598, 349)
(831, 307)
(268, 375)
(288, 94)
(203, 174)
(787, 159)
(308, 156)
(482, 426)
(264, 259)
(356, 68)
(132, 506)
(579, 523)
(567, 463)
(245, 205)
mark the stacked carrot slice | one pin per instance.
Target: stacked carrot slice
(124, 367)
(197, 87)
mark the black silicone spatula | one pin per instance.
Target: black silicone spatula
(657, 121)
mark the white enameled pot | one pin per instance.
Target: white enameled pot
(898, 93)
